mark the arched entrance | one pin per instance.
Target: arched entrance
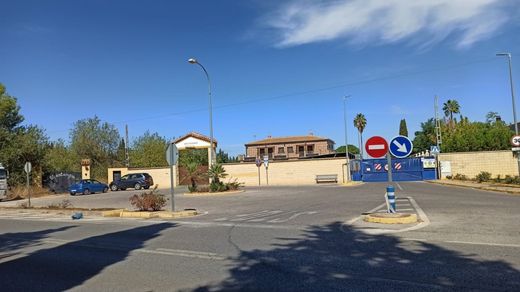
(194, 149)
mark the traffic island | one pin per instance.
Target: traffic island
(391, 218)
(153, 214)
(214, 193)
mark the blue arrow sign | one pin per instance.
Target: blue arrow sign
(400, 146)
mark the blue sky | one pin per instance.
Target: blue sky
(277, 68)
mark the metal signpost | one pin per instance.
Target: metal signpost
(258, 163)
(171, 156)
(266, 163)
(28, 168)
(435, 150)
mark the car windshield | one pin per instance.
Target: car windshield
(3, 174)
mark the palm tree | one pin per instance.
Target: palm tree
(216, 172)
(193, 173)
(451, 107)
(360, 123)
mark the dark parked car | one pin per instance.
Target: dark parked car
(133, 180)
(87, 186)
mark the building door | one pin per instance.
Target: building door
(116, 175)
(270, 152)
(301, 152)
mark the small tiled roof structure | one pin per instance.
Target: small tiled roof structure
(196, 135)
(288, 139)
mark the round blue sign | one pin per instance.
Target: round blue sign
(400, 146)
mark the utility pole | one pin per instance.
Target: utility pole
(347, 162)
(127, 156)
(437, 135)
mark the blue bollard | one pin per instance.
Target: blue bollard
(390, 196)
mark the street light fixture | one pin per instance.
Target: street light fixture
(346, 139)
(211, 154)
(508, 55)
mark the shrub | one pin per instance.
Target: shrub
(508, 179)
(148, 201)
(234, 185)
(192, 188)
(497, 179)
(217, 187)
(460, 176)
(216, 172)
(449, 177)
(483, 176)
(203, 189)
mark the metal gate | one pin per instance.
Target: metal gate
(403, 169)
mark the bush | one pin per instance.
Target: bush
(498, 179)
(192, 188)
(203, 189)
(148, 201)
(508, 179)
(460, 177)
(234, 185)
(449, 177)
(483, 176)
(217, 187)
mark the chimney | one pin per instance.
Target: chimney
(269, 137)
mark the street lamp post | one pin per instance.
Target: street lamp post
(508, 55)
(211, 154)
(346, 137)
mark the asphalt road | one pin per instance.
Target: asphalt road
(276, 239)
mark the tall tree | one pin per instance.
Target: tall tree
(451, 107)
(97, 141)
(360, 123)
(148, 150)
(403, 129)
(60, 158)
(19, 144)
(492, 117)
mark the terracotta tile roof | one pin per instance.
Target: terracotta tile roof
(195, 135)
(287, 140)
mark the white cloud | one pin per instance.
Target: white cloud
(422, 22)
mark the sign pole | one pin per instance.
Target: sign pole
(267, 175)
(389, 161)
(258, 175)
(28, 190)
(172, 192)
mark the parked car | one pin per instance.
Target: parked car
(88, 186)
(133, 180)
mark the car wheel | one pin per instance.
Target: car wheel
(86, 192)
(137, 186)
(72, 193)
(113, 188)
(105, 189)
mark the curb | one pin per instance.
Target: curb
(112, 213)
(156, 214)
(391, 218)
(352, 184)
(483, 188)
(213, 194)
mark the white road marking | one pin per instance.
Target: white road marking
(402, 209)
(484, 243)
(351, 221)
(398, 185)
(257, 215)
(292, 217)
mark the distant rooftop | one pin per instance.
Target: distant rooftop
(288, 139)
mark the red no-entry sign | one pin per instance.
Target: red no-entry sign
(376, 146)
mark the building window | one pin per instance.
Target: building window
(310, 148)
(290, 149)
(281, 150)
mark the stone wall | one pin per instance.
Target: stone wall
(472, 163)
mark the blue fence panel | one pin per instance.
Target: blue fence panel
(403, 169)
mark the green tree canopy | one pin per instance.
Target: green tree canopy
(60, 158)
(148, 150)
(351, 149)
(19, 143)
(451, 107)
(97, 141)
(403, 129)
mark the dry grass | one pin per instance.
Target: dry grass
(20, 192)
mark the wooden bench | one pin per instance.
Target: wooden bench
(326, 178)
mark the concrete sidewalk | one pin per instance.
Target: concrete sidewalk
(487, 186)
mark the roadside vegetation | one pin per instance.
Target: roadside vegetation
(486, 177)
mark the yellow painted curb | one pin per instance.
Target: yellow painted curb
(214, 194)
(178, 214)
(112, 213)
(138, 214)
(391, 218)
